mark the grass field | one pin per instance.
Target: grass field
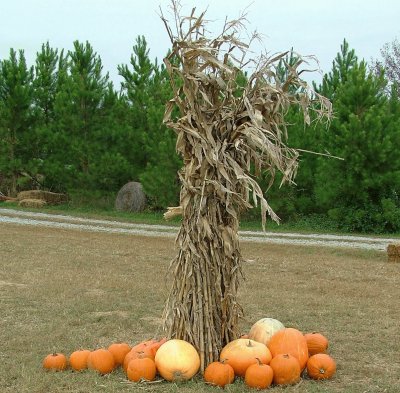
(61, 290)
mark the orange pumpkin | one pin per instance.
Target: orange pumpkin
(55, 361)
(316, 343)
(241, 353)
(259, 376)
(78, 359)
(101, 360)
(134, 354)
(177, 360)
(321, 366)
(264, 329)
(219, 373)
(290, 341)
(286, 369)
(119, 351)
(141, 368)
(143, 345)
(153, 347)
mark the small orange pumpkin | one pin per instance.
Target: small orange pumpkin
(134, 354)
(290, 341)
(153, 347)
(241, 353)
(219, 373)
(101, 360)
(286, 369)
(141, 368)
(177, 360)
(55, 361)
(259, 376)
(316, 343)
(119, 351)
(143, 345)
(321, 366)
(78, 359)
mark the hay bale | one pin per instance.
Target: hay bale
(131, 198)
(52, 198)
(32, 203)
(393, 251)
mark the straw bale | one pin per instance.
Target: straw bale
(4, 198)
(32, 203)
(393, 251)
(131, 198)
(52, 198)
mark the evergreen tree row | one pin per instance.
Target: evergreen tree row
(65, 127)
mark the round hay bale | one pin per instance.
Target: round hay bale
(32, 203)
(131, 198)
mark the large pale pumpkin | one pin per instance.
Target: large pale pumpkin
(243, 352)
(264, 329)
(177, 360)
(290, 341)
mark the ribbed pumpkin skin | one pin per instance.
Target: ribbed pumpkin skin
(316, 343)
(177, 360)
(321, 366)
(242, 353)
(286, 369)
(259, 376)
(141, 368)
(55, 361)
(290, 341)
(264, 329)
(219, 374)
(101, 360)
(78, 359)
(119, 351)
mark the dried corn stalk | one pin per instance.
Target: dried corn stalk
(223, 133)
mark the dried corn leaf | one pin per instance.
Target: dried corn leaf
(223, 131)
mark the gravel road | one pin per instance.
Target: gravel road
(10, 216)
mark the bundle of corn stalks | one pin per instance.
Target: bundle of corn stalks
(226, 132)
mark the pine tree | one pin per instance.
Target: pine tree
(46, 86)
(360, 191)
(78, 106)
(16, 116)
(146, 86)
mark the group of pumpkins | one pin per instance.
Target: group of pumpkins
(268, 354)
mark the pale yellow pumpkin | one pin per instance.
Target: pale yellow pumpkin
(264, 329)
(177, 360)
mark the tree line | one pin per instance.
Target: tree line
(64, 126)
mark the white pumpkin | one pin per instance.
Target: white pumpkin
(264, 329)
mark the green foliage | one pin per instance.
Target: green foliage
(65, 127)
(16, 133)
(146, 87)
(355, 191)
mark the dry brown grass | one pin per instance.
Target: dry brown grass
(61, 290)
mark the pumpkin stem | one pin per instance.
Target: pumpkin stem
(249, 344)
(259, 362)
(223, 361)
